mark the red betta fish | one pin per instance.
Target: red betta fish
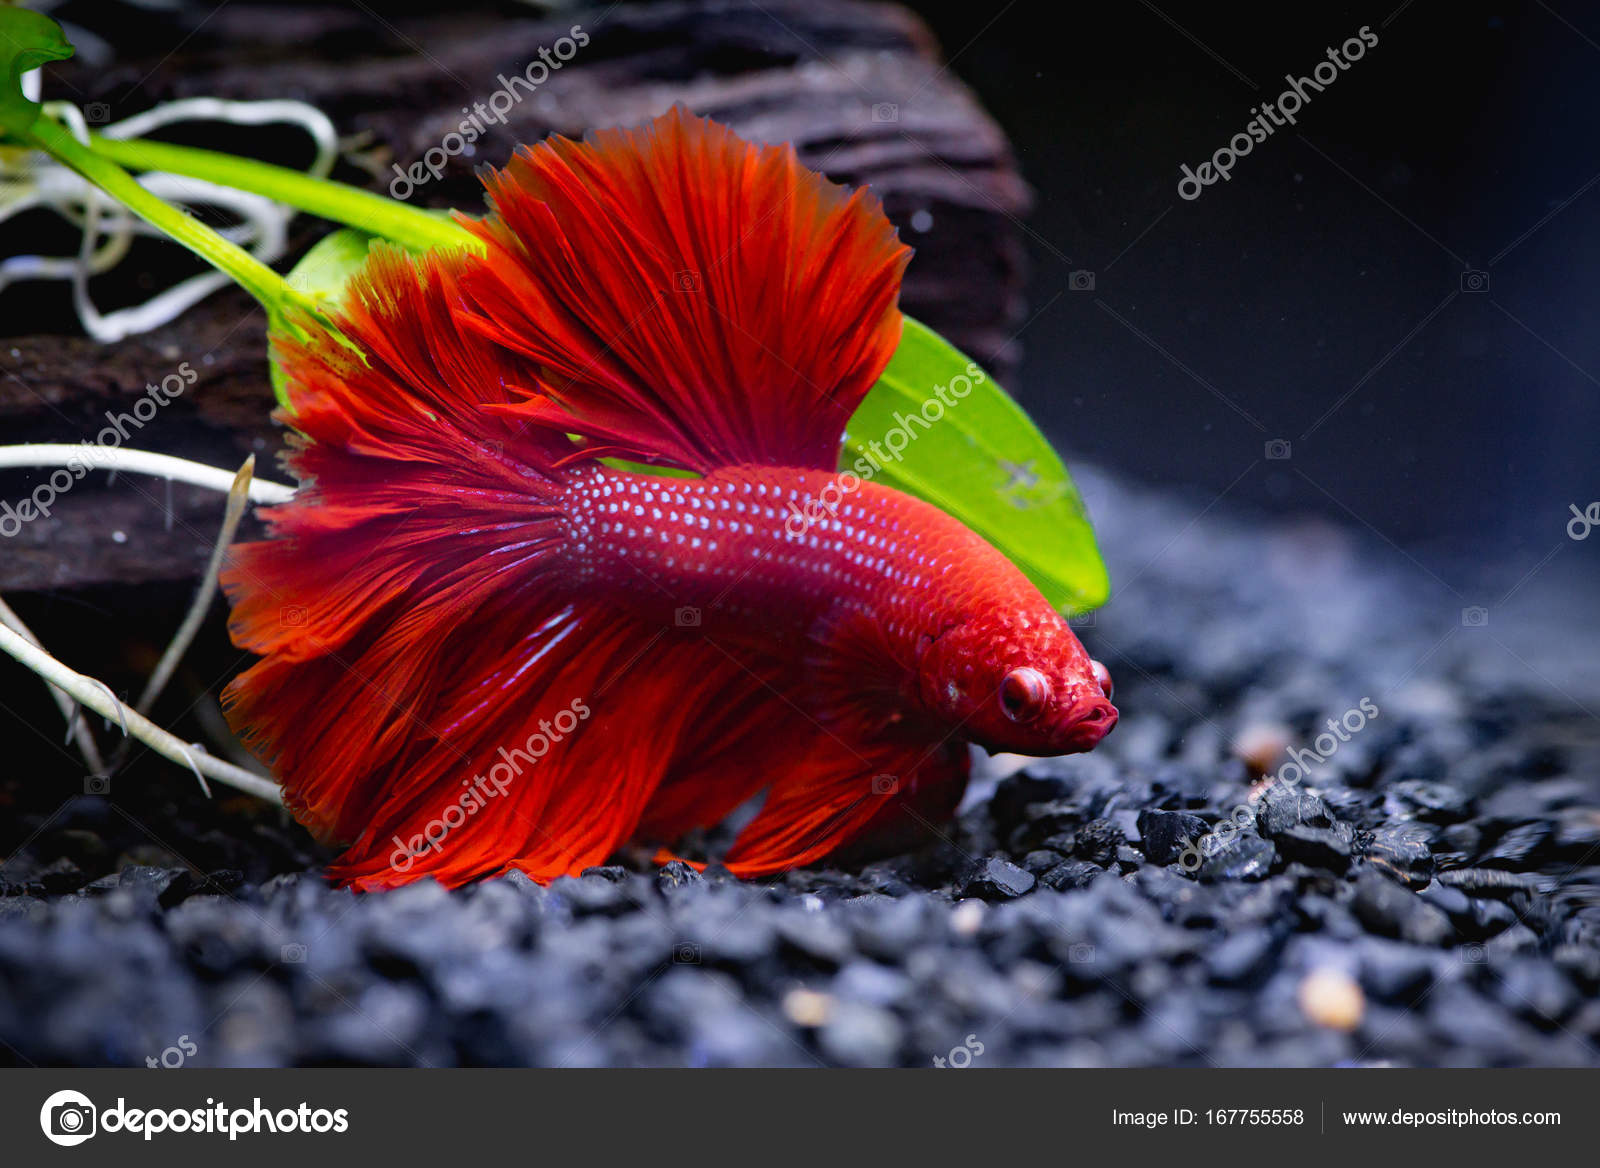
(484, 648)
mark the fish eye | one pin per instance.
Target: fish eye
(1024, 693)
(1102, 675)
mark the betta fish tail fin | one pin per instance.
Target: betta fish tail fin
(688, 298)
(416, 503)
(433, 692)
(434, 689)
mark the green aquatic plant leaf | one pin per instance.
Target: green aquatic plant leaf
(27, 40)
(323, 272)
(321, 277)
(937, 426)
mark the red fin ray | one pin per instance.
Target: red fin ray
(638, 699)
(472, 795)
(844, 795)
(404, 475)
(722, 765)
(853, 782)
(415, 505)
(689, 298)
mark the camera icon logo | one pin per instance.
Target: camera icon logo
(68, 1118)
(293, 953)
(1279, 449)
(1474, 616)
(1474, 954)
(1080, 281)
(1472, 280)
(1081, 954)
(97, 785)
(885, 112)
(292, 616)
(686, 281)
(885, 784)
(686, 618)
(686, 953)
(96, 113)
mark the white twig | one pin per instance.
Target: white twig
(263, 230)
(237, 498)
(115, 458)
(77, 725)
(97, 697)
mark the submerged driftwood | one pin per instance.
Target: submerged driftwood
(858, 88)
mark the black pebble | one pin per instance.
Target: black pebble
(997, 879)
(1090, 936)
(1244, 856)
(1282, 808)
(1328, 848)
(1386, 908)
(1401, 852)
(1098, 842)
(1166, 833)
(675, 874)
(1492, 881)
(1431, 801)
(1071, 874)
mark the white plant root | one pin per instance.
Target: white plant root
(34, 180)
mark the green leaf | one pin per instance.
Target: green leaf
(27, 40)
(938, 427)
(322, 276)
(323, 272)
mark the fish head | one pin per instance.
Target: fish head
(1017, 684)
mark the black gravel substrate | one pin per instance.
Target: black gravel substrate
(1430, 895)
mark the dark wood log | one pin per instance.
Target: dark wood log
(858, 88)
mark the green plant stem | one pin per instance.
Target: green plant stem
(410, 227)
(250, 273)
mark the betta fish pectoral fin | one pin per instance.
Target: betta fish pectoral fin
(505, 653)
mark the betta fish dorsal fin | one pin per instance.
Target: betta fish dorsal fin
(690, 299)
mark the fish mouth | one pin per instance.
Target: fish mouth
(1090, 722)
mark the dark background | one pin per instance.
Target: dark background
(1329, 265)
